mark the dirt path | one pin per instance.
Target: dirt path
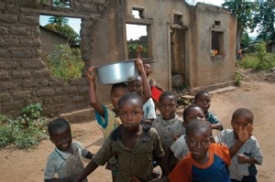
(27, 166)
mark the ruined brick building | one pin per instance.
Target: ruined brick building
(180, 40)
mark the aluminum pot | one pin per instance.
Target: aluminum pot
(117, 72)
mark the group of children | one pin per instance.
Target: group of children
(136, 138)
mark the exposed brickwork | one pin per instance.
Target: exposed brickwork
(24, 78)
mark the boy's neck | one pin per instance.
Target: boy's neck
(134, 131)
(204, 160)
(169, 118)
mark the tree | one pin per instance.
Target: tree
(60, 25)
(245, 12)
(265, 18)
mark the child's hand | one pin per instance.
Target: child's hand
(139, 65)
(175, 137)
(242, 159)
(91, 73)
(246, 133)
(134, 179)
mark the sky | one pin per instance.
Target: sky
(132, 31)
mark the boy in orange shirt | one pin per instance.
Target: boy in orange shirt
(206, 161)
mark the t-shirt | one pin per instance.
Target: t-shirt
(212, 118)
(215, 170)
(65, 164)
(167, 129)
(179, 147)
(132, 162)
(149, 111)
(109, 122)
(250, 148)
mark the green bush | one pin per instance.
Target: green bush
(238, 79)
(65, 62)
(24, 131)
(261, 60)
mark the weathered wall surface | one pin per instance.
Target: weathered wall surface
(201, 71)
(211, 72)
(24, 77)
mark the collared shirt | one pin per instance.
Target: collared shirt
(65, 164)
(132, 162)
(250, 148)
(167, 129)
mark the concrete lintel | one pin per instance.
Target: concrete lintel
(139, 21)
(59, 13)
(179, 26)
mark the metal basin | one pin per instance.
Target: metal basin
(117, 72)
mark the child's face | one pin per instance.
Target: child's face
(136, 86)
(198, 142)
(62, 138)
(167, 107)
(130, 113)
(147, 69)
(239, 123)
(116, 94)
(204, 102)
(193, 113)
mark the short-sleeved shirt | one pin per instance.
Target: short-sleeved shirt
(250, 148)
(180, 148)
(215, 170)
(149, 111)
(109, 122)
(167, 129)
(132, 162)
(65, 164)
(212, 118)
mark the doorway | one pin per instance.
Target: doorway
(177, 37)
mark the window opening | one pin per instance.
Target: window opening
(178, 19)
(137, 35)
(138, 13)
(60, 43)
(216, 43)
(217, 23)
(57, 3)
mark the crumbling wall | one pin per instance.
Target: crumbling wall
(24, 78)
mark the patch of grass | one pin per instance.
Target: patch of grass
(26, 130)
(261, 60)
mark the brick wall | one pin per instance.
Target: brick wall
(24, 78)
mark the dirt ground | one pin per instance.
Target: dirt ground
(27, 166)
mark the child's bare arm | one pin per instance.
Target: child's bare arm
(92, 92)
(242, 159)
(217, 126)
(89, 155)
(159, 87)
(243, 136)
(146, 88)
(88, 170)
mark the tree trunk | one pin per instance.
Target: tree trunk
(239, 37)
